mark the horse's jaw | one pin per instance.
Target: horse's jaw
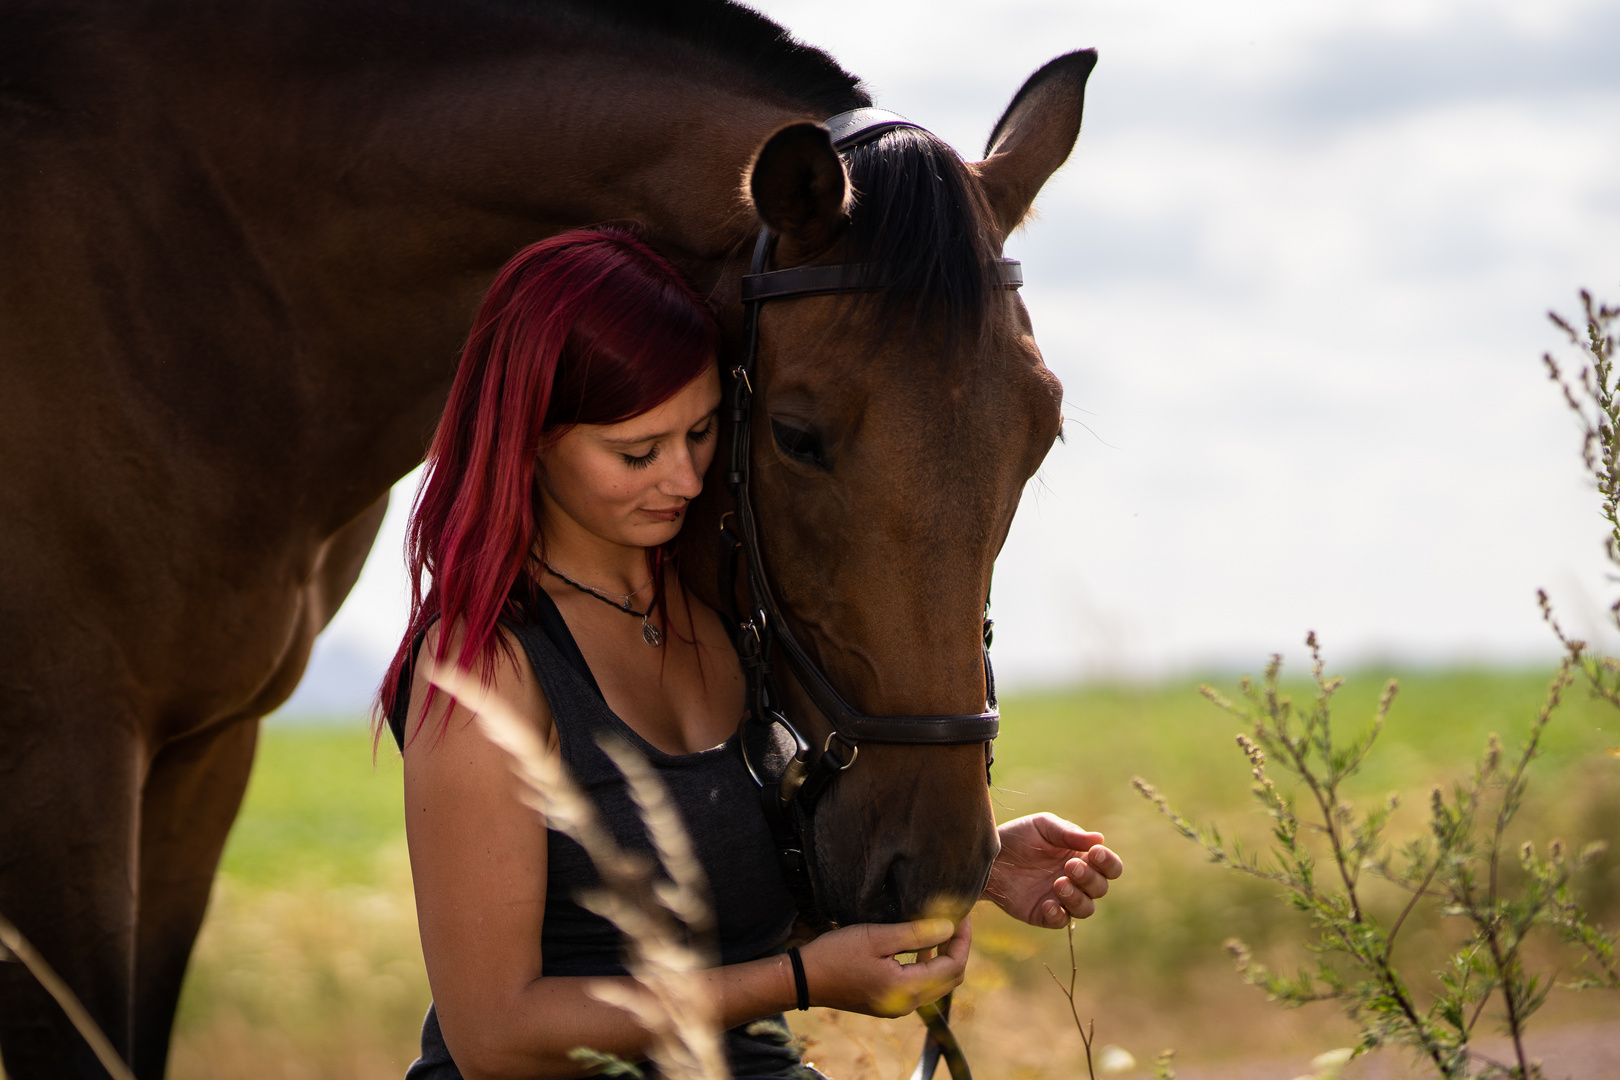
(877, 860)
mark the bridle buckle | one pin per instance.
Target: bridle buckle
(853, 747)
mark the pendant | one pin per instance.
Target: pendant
(651, 634)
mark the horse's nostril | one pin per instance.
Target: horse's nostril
(891, 900)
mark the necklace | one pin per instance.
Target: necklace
(619, 601)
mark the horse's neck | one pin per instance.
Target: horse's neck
(379, 213)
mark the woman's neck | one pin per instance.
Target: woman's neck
(592, 561)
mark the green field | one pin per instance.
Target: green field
(318, 806)
(309, 965)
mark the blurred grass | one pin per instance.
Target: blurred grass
(316, 806)
(309, 966)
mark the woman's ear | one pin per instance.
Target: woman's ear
(798, 187)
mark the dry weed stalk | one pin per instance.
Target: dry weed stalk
(1591, 389)
(14, 946)
(660, 920)
(1088, 1030)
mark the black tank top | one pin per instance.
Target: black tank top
(718, 802)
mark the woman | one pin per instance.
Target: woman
(580, 424)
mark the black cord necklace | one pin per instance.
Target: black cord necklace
(649, 633)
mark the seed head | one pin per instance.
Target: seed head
(1151, 793)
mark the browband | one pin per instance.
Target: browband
(846, 277)
(859, 126)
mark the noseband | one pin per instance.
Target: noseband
(790, 770)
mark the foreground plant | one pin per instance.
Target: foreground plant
(1324, 852)
(1087, 1030)
(1592, 392)
(15, 947)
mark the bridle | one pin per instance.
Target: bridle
(791, 772)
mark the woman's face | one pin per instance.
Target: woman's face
(629, 483)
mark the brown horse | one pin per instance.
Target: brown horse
(242, 244)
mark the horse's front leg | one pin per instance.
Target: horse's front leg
(193, 791)
(70, 777)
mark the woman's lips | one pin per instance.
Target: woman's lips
(672, 513)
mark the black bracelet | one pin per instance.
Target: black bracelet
(799, 982)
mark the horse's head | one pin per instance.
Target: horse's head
(893, 433)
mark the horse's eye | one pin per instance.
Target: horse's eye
(800, 444)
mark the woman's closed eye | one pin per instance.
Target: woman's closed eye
(641, 461)
(703, 434)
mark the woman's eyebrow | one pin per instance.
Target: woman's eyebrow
(631, 440)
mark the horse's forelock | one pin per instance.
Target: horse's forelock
(919, 211)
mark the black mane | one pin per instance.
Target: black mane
(713, 39)
(737, 36)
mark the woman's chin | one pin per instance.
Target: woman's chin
(652, 533)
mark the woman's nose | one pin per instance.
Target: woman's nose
(683, 480)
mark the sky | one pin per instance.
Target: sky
(1294, 279)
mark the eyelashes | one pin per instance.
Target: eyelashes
(643, 461)
(696, 437)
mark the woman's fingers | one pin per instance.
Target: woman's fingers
(1105, 862)
(891, 938)
(1081, 886)
(932, 977)
(857, 968)
(1075, 900)
(1081, 875)
(1084, 881)
(1052, 914)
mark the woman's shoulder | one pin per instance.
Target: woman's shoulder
(502, 674)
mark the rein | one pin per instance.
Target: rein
(791, 772)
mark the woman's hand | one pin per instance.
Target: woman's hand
(856, 968)
(1050, 870)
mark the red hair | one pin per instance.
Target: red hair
(589, 327)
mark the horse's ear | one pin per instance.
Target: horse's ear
(1034, 136)
(799, 188)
